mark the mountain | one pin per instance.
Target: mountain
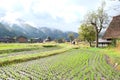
(24, 29)
(57, 34)
(6, 31)
(53, 33)
(27, 30)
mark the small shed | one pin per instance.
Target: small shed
(22, 39)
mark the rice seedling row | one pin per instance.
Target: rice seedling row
(76, 64)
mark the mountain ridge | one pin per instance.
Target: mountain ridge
(27, 30)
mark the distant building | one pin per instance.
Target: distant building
(103, 42)
(75, 41)
(36, 40)
(7, 40)
(3, 40)
(22, 39)
(48, 39)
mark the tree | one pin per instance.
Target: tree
(60, 40)
(87, 33)
(71, 37)
(98, 19)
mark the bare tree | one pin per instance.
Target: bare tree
(98, 19)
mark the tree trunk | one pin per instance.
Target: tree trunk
(96, 39)
(96, 29)
(90, 44)
(97, 32)
(70, 41)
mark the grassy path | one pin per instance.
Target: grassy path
(76, 64)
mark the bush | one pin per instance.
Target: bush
(49, 45)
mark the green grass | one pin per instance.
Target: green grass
(16, 47)
(113, 56)
(6, 46)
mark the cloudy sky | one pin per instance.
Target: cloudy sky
(65, 15)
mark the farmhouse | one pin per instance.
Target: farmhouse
(22, 39)
(113, 31)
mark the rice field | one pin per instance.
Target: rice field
(73, 64)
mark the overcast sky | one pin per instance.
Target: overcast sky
(65, 15)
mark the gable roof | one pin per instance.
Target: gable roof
(113, 31)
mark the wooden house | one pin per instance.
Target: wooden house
(22, 39)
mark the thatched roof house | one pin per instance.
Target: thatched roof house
(113, 31)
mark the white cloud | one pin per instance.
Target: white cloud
(11, 17)
(26, 4)
(55, 13)
(7, 4)
(59, 8)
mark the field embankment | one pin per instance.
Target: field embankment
(112, 56)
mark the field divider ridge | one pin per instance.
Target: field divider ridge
(26, 57)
